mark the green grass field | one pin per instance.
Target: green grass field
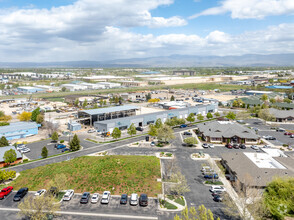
(118, 174)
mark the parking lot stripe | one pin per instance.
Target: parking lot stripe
(93, 214)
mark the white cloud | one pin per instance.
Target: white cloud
(245, 9)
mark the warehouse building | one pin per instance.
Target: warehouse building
(29, 89)
(18, 130)
(146, 119)
(94, 115)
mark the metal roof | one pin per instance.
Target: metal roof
(4, 149)
(111, 109)
(18, 126)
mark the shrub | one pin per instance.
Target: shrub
(61, 141)
(25, 160)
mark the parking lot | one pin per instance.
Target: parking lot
(36, 147)
(264, 130)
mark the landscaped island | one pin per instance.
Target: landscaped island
(118, 174)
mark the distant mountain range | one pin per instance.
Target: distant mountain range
(247, 60)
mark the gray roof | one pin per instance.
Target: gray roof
(284, 105)
(111, 109)
(258, 176)
(17, 126)
(4, 149)
(281, 113)
(227, 130)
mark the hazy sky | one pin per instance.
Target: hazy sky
(68, 30)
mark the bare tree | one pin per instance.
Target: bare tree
(180, 185)
(38, 208)
(59, 182)
(249, 201)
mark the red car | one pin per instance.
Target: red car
(229, 146)
(287, 133)
(5, 192)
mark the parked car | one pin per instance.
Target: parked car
(60, 146)
(287, 133)
(20, 194)
(266, 137)
(124, 199)
(229, 146)
(95, 198)
(91, 130)
(204, 168)
(266, 146)
(25, 150)
(152, 144)
(68, 195)
(183, 126)
(210, 145)
(217, 192)
(292, 136)
(105, 197)
(85, 198)
(20, 146)
(134, 199)
(205, 145)
(211, 176)
(272, 138)
(139, 129)
(5, 192)
(40, 192)
(65, 149)
(218, 198)
(242, 146)
(187, 133)
(236, 146)
(143, 200)
(280, 130)
(254, 147)
(217, 188)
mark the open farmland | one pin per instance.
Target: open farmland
(118, 174)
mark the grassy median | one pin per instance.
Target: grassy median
(118, 174)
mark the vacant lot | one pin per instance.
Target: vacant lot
(118, 174)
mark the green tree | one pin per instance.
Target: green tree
(158, 123)
(148, 96)
(200, 117)
(209, 115)
(95, 106)
(74, 144)
(217, 114)
(152, 130)
(40, 119)
(266, 115)
(104, 102)
(165, 133)
(63, 89)
(116, 133)
(231, 116)
(4, 142)
(116, 100)
(7, 174)
(192, 214)
(9, 156)
(2, 114)
(85, 103)
(132, 130)
(172, 98)
(272, 100)
(264, 97)
(44, 152)
(76, 103)
(101, 102)
(190, 141)
(170, 122)
(287, 100)
(191, 118)
(54, 136)
(35, 114)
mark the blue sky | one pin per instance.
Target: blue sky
(60, 30)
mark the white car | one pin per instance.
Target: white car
(20, 147)
(211, 145)
(25, 150)
(95, 198)
(254, 147)
(91, 130)
(105, 197)
(217, 188)
(68, 195)
(134, 199)
(40, 192)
